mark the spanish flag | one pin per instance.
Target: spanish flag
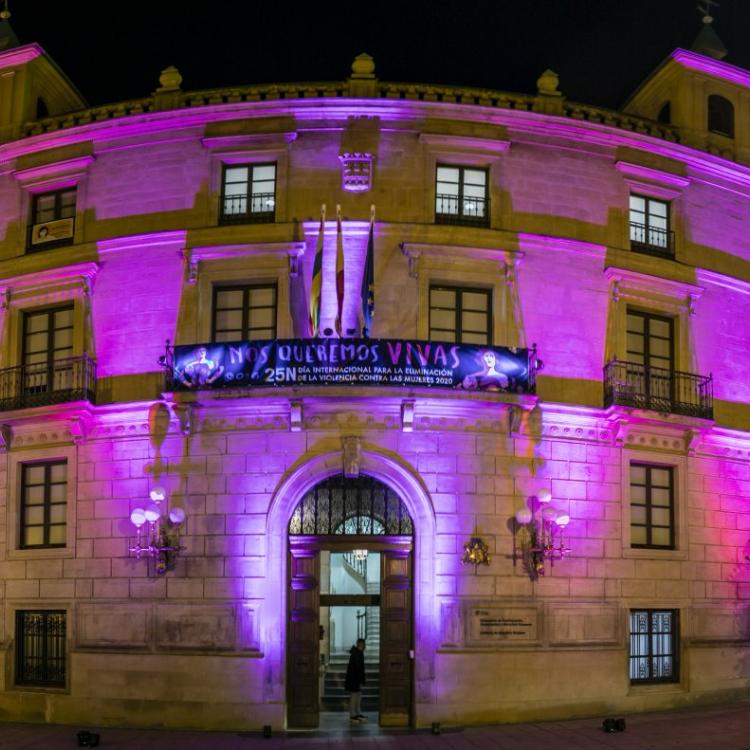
(317, 276)
(368, 280)
(339, 271)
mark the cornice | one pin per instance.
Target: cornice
(712, 67)
(465, 143)
(17, 56)
(49, 278)
(719, 279)
(642, 282)
(415, 250)
(137, 241)
(545, 243)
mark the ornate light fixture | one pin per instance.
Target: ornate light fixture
(539, 534)
(476, 553)
(359, 554)
(158, 537)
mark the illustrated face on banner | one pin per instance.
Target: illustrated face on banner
(388, 362)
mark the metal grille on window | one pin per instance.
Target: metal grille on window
(352, 507)
(653, 642)
(40, 639)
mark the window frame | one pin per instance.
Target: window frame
(674, 654)
(20, 638)
(460, 291)
(35, 198)
(648, 505)
(461, 218)
(246, 289)
(249, 217)
(46, 504)
(646, 247)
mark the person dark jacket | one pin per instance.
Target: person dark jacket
(355, 671)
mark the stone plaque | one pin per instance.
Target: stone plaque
(501, 624)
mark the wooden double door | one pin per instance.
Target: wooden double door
(303, 627)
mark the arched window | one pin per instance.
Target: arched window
(720, 115)
(42, 110)
(665, 114)
(353, 507)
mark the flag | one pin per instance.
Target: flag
(339, 271)
(317, 276)
(368, 280)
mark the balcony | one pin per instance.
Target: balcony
(58, 382)
(657, 389)
(652, 240)
(467, 211)
(259, 208)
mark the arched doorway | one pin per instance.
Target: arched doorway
(348, 520)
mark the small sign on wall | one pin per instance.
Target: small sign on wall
(488, 625)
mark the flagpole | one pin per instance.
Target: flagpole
(368, 280)
(339, 272)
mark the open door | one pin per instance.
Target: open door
(396, 639)
(303, 638)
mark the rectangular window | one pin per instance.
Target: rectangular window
(649, 226)
(47, 354)
(248, 194)
(460, 315)
(52, 219)
(650, 358)
(654, 645)
(40, 648)
(461, 196)
(44, 504)
(245, 312)
(652, 506)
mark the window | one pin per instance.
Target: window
(652, 506)
(665, 114)
(248, 193)
(52, 219)
(40, 647)
(720, 116)
(244, 312)
(461, 196)
(654, 641)
(460, 315)
(43, 511)
(650, 360)
(649, 226)
(47, 359)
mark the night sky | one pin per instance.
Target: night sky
(602, 49)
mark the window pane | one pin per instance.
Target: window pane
(58, 472)
(661, 537)
(637, 474)
(34, 515)
(443, 319)
(635, 343)
(448, 174)
(442, 298)
(35, 323)
(266, 173)
(64, 318)
(229, 298)
(63, 339)
(635, 323)
(660, 497)
(661, 477)
(637, 514)
(439, 334)
(474, 301)
(638, 535)
(57, 514)
(474, 177)
(235, 175)
(474, 321)
(637, 203)
(36, 342)
(33, 536)
(657, 209)
(660, 516)
(57, 535)
(474, 338)
(57, 493)
(263, 297)
(261, 318)
(34, 474)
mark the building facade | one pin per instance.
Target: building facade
(174, 491)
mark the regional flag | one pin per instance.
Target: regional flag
(368, 280)
(317, 276)
(339, 271)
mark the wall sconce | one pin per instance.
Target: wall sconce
(476, 553)
(157, 537)
(539, 534)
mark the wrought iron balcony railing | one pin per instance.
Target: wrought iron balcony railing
(69, 379)
(259, 208)
(652, 240)
(469, 210)
(658, 389)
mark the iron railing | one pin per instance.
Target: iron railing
(361, 625)
(69, 379)
(40, 647)
(453, 209)
(658, 389)
(258, 208)
(652, 240)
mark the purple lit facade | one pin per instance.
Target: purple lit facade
(616, 244)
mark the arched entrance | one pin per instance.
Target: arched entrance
(338, 524)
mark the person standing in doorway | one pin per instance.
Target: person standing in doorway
(355, 678)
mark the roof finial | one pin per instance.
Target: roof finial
(5, 13)
(705, 7)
